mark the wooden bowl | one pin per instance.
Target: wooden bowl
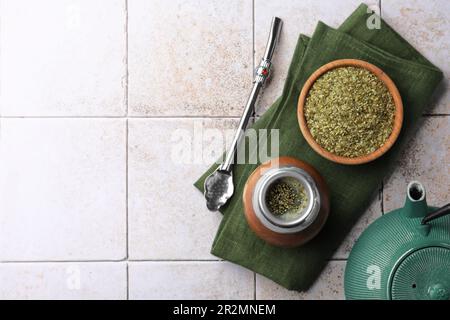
(398, 118)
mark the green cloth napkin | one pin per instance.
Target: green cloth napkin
(351, 187)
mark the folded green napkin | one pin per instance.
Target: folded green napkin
(351, 187)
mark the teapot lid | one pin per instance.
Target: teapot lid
(422, 275)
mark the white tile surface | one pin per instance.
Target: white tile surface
(189, 57)
(370, 215)
(168, 218)
(63, 281)
(329, 286)
(298, 17)
(63, 181)
(62, 189)
(62, 57)
(189, 280)
(426, 159)
(426, 25)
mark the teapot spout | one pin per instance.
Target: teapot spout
(416, 201)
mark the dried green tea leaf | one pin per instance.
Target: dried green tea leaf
(286, 195)
(349, 112)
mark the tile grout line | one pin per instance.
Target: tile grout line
(126, 59)
(254, 285)
(126, 154)
(176, 260)
(60, 261)
(252, 69)
(159, 117)
(128, 282)
(253, 40)
(435, 115)
(126, 117)
(127, 252)
(379, 8)
(108, 261)
(337, 259)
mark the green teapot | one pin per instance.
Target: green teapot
(403, 255)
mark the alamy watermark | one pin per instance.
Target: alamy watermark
(374, 277)
(73, 280)
(200, 145)
(374, 20)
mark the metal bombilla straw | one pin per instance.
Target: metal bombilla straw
(219, 185)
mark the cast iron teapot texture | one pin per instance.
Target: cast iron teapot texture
(403, 255)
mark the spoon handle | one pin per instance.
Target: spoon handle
(261, 74)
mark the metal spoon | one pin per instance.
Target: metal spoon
(219, 185)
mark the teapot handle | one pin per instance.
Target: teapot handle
(436, 214)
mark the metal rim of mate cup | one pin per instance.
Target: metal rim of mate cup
(302, 219)
(276, 229)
